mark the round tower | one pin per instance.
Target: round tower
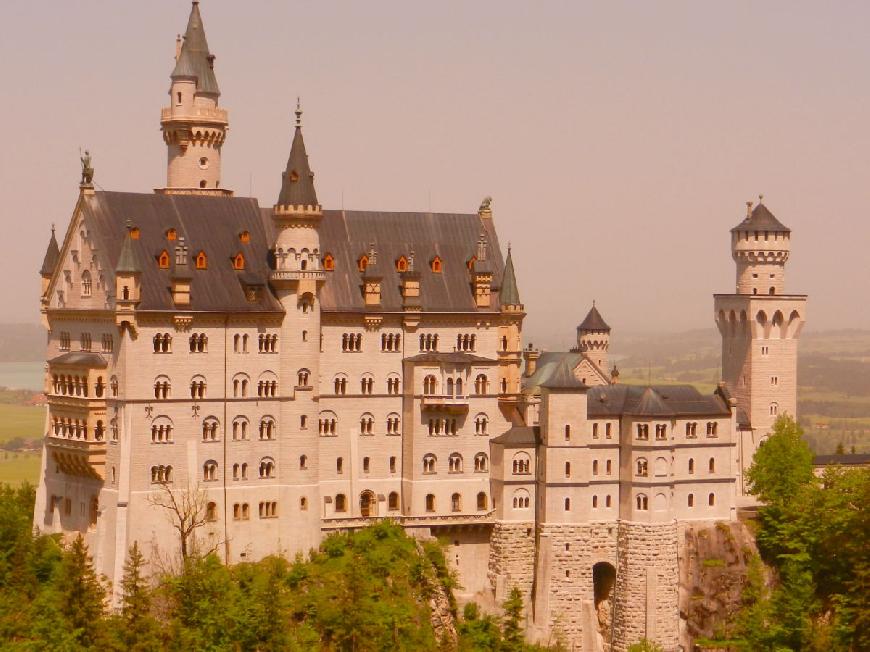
(194, 127)
(760, 245)
(593, 338)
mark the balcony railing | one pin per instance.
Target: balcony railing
(81, 457)
(297, 275)
(445, 402)
(200, 113)
(344, 522)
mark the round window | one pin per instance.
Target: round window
(203, 162)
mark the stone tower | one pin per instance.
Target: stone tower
(760, 324)
(194, 127)
(593, 338)
(296, 279)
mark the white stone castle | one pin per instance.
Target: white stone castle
(311, 370)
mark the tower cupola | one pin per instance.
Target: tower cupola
(760, 245)
(49, 262)
(593, 338)
(194, 127)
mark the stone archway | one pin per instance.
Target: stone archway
(368, 504)
(603, 581)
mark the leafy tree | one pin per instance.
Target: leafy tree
(840, 450)
(645, 645)
(782, 464)
(478, 632)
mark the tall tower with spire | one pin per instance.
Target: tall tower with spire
(593, 338)
(194, 127)
(760, 324)
(296, 278)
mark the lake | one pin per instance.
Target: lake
(22, 375)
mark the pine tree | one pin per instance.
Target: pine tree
(140, 632)
(80, 596)
(512, 629)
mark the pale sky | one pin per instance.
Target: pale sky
(619, 140)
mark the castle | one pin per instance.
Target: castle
(308, 370)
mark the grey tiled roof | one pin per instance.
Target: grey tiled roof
(128, 261)
(519, 436)
(208, 223)
(563, 377)
(842, 459)
(761, 219)
(593, 321)
(81, 359)
(656, 400)
(194, 60)
(347, 235)
(52, 255)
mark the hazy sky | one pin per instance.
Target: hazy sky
(620, 141)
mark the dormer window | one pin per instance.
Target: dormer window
(163, 260)
(294, 175)
(135, 233)
(201, 260)
(171, 234)
(402, 264)
(471, 262)
(436, 264)
(244, 237)
(328, 262)
(363, 262)
(239, 261)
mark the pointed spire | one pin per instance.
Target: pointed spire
(509, 293)
(128, 261)
(195, 60)
(297, 184)
(594, 321)
(52, 255)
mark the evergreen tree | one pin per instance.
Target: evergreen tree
(511, 624)
(80, 597)
(140, 632)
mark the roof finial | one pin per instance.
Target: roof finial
(748, 208)
(760, 198)
(129, 225)
(298, 111)
(52, 229)
(509, 247)
(593, 303)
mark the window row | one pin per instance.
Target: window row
(68, 428)
(351, 342)
(391, 342)
(366, 386)
(454, 386)
(76, 386)
(455, 463)
(85, 342)
(692, 429)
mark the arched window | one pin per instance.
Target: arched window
(774, 409)
(521, 463)
(240, 385)
(521, 499)
(481, 384)
(239, 261)
(482, 502)
(594, 467)
(430, 385)
(711, 465)
(436, 264)
(303, 462)
(340, 383)
(642, 502)
(87, 285)
(163, 260)
(456, 503)
(211, 512)
(481, 424)
(267, 468)
(567, 504)
(197, 387)
(691, 466)
(303, 504)
(327, 424)
(209, 471)
(567, 469)
(328, 262)
(567, 432)
(366, 424)
(711, 500)
(268, 429)
(201, 261)
(367, 384)
(481, 463)
(393, 424)
(302, 377)
(240, 428)
(402, 264)
(429, 463)
(642, 467)
(362, 262)
(161, 388)
(210, 429)
(454, 463)
(430, 502)
(393, 501)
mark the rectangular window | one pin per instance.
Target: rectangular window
(86, 341)
(64, 341)
(607, 431)
(765, 350)
(774, 380)
(594, 431)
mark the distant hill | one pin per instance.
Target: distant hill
(22, 342)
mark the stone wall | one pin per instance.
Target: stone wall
(512, 559)
(646, 594)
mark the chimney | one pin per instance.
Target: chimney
(531, 355)
(181, 276)
(372, 279)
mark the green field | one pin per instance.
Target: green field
(16, 468)
(23, 421)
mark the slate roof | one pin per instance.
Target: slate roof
(842, 459)
(656, 400)
(195, 60)
(593, 321)
(563, 377)
(453, 237)
(213, 224)
(52, 255)
(81, 359)
(208, 223)
(128, 261)
(761, 219)
(519, 436)
(509, 292)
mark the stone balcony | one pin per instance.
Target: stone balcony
(199, 114)
(297, 275)
(423, 520)
(445, 402)
(80, 457)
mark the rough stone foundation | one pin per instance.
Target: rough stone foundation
(512, 559)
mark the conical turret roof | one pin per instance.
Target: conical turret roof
(509, 294)
(52, 255)
(128, 261)
(593, 321)
(195, 60)
(297, 183)
(761, 219)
